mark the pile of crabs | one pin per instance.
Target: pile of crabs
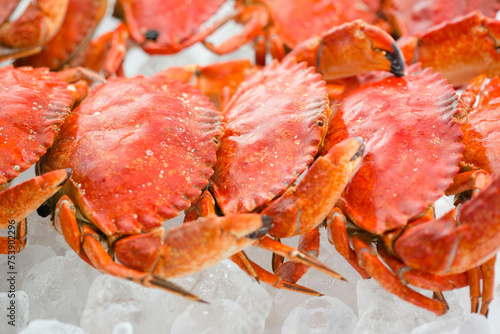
(365, 117)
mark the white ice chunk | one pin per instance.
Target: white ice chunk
(123, 328)
(112, 300)
(320, 315)
(494, 316)
(52, 327)
(285, 301)
(15, 307)
(58, 288)
(383, 312)
(220, 316)
(24, 261)
(42, 232)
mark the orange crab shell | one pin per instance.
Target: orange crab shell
(80, 22)
(275, 123)
(413, 147)
(295, 25)
(482, 128)
(141, 150)
(178, 22)
(34, 105)
(418, 16)
(37, 24)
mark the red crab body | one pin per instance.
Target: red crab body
(275, 123)
(34, 105)
(39, 22)
(416, 16)
(80, 22)
(481, 126)
(412, 142)
(294, 24)
(142, 150)
(460, 49)
(175, 29)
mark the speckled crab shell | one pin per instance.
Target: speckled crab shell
(413, 147)
(33, 104)
(141, 150)
(178, 21)
(296, 25)
(275, 123)
(80, 22)
(482, 131)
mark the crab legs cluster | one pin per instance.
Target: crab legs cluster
(163, 147)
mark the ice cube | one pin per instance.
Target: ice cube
(226, 280)
(494, 316)
(112, 301)
(15, 307)
(42, 232)
(58, 288)
(220, 316)
(52, 327)
(383, 312)
(123, 328)
(320, 315)
(24, 261)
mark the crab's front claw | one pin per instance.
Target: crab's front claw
(302, 208)
(19, 201)
(191, 247)
(444, 247)
(351, 49)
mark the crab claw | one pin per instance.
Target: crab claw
(351, 49)
(302, 208)
(445, 246)
(19, 201)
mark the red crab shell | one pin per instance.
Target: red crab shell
(412, 151)
(80, 22)
(295, 25)
(275, 123)
(33, 105)
(34, 27)
(178, 21)
(418, 16)
(141, 150)
(482, 131)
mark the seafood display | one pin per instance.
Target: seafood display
(344, 121)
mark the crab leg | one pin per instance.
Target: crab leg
(19, 201)
(449, 245)
(369, 261)
(8, 245)
(304, 207)
(254, 18)
(291, 271)
(337, 53)
(293, 254)
(337, 235)
(488, 274)
(420, 279)
(274, 280)
(149, 258)
(205, 207)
